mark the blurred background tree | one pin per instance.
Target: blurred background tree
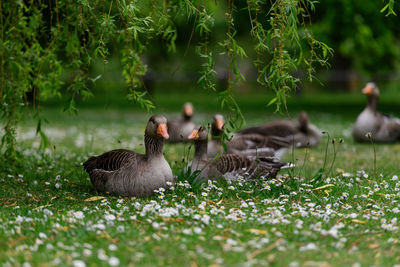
(366, 42)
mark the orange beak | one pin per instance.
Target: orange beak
(194, 135)
(188, 111)
(219, 124)
(162, 131)
(367, 90)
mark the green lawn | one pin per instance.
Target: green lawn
(51, 215)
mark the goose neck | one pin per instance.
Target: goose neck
(186, 118)
(153, 146)
(200, 150)
(372, 102)
(216, 134)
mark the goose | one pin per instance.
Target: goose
(301, 133)
(127, 173)
(370, 120)
(247, 144)
(179, 129)
(228, 166)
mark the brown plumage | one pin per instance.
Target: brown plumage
(127, 173)
(247, 144)
(300, 133)
(229, 166)
(179, 129)
(382, 128)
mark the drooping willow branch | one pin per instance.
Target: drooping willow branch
(38, 50)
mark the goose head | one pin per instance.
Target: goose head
(303, 121)
(187, 110)
(218, 121)
(217, 125)
(157, 127)
(199, 134)
(371, 90)
(372, 93)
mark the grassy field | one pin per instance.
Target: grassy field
(346, 214)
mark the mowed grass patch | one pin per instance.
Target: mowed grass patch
(343, 213)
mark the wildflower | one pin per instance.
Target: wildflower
(231, 242)
(205, 219)
(113, 261)
(86, 252)
(197, 230)
(101, 254)
(78, 215)
(110, 217)
(187, 231)
(309, 246)
(42, 235)
(78, 263)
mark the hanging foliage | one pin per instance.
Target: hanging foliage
(43, 41)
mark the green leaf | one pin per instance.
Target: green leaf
(272, 101)
(385, 7)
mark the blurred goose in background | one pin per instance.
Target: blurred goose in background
(382, 128)
(247, 144)
(300, 133)
(214, 146)
(179, 129)
(229, 166)
(127, 173)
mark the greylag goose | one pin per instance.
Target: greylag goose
(382, 128)
(301, 132)
(179, 129)
(247, 144)
(228, 166)
(127, 173)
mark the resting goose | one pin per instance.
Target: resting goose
(127, 173)
(247, 144)
(229, 166)
(179, 129)
(300, 133)
(382, 128)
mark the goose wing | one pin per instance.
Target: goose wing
(275, 128)
(258, 145)
(232, 165)
(257, 141)
(110, 181)
(110, 161)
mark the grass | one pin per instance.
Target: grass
(51, 215)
